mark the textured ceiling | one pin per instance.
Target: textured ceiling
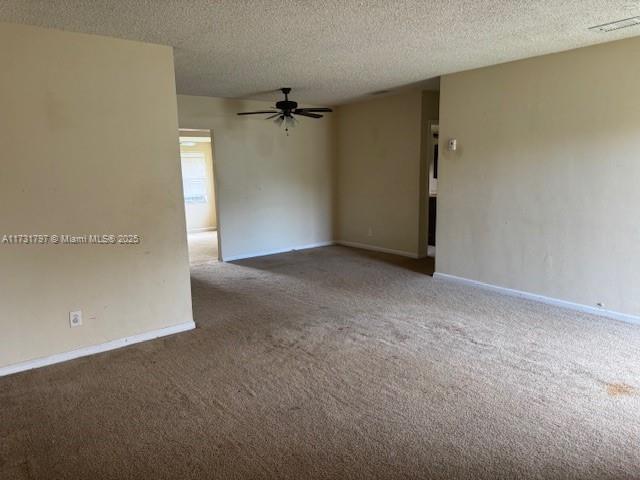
(331, 51)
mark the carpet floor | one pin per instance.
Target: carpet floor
(203, 247)
(335, 363)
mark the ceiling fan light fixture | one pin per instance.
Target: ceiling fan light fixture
(287, 110)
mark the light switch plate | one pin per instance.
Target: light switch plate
(75, 318)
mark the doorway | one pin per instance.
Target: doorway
(433, 188)
(200, 206)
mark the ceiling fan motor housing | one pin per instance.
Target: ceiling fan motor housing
(286, 105)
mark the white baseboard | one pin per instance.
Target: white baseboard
(578, 307)
(201, 230)
(364, 246)
(273, 252)
(103, 347)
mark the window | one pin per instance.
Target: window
(194, 177)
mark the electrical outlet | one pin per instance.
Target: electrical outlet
(370, 232)
(75, 318)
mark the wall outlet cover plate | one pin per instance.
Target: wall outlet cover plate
(75, 318)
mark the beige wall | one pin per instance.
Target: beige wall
(274, 192)
(202, 216)
(61, 95)
(379, 172)
(543, 192)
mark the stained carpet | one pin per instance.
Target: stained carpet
(335, 363)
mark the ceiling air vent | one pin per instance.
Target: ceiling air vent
(617, 25)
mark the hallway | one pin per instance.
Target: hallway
(203, 248)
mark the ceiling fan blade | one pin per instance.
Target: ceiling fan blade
(273, 116)
(318, 109)
(308, 114)
(255, 113)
